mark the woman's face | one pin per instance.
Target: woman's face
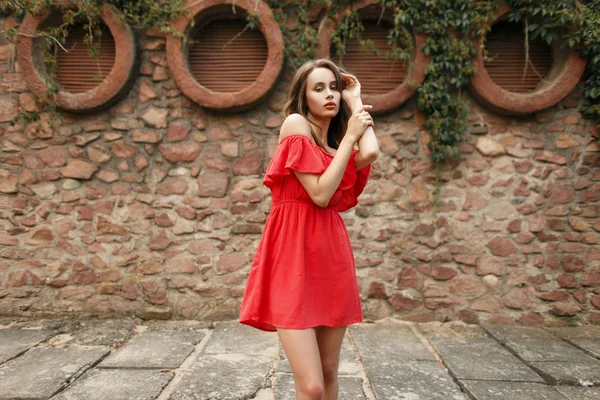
(322, 93)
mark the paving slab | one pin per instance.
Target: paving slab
(414, 380)
(579, 393)
(46, 371)
(16, 341)
(553, 358)
(113, 332)
(349, 387)
(399, 366)
(569, 373)
(223, 377)
(392, 341)
(482, 359)
(450, 329)
(504, 333)
(547, 350)
(113, 384)
(235, 364)
(581, 332)
(38, 323)
(178, 325)
(167, 349)
(494, 390)
(85, 331)
(535, 344)
(349, 365)
(590, 345)
(233, 337)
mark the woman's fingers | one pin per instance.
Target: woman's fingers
(367, 120)
(364, 109)
(365, 116)
(349, 78)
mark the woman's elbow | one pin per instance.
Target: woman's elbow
(372, 155)
(321, 201)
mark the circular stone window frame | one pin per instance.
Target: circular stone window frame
(415, 75)
(227, 101)
(109, 91)
(566, 71)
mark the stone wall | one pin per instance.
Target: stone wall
(154, 208)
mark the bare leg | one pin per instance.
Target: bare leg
(330, 343)
(302, 351)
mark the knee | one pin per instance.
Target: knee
(313, 389)
(330, 370)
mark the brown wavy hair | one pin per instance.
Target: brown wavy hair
(297, 102)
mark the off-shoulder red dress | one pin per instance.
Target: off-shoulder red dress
(303, 272)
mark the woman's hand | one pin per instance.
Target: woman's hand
(359, 121)
(351, 92)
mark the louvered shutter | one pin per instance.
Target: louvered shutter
(376, 73)
(505, 45)
(222, 61)
(78, 72)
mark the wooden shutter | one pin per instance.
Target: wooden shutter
(222, 61)
(377, 73)
(505, 45)
(78, 72)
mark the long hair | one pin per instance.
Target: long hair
(297, 103)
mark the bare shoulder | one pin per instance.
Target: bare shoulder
(294, 124)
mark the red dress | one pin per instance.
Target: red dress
(303, 273)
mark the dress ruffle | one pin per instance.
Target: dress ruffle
(295, 153)
(299, 153)
(352, 185)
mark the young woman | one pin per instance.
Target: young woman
(302, 282)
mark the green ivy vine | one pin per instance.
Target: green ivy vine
(139, 14)
(452, 29)
(574, 23)
(299, 31)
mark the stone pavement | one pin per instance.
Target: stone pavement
(130, 359)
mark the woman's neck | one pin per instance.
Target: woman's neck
(322, 123)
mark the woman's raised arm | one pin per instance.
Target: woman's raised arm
(368, 146)
(321, 188)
